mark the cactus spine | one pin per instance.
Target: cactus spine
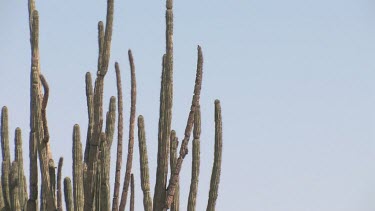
(59, 187)
(173, 160)
(77, 169)
(68, 194)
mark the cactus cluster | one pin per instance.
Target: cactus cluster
(89, 188)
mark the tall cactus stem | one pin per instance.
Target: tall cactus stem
(173, 160)
(90, 111)
(195, 161)
(184, 145)
(129, 160)
(120, 129)
(166, 105)
(14, 187)
(77, 169)
(132, 192)
(59, 184)
(22, 191)
(216, 170)
(143, 158)
(104, 182)
(68, 194)
(6, 157)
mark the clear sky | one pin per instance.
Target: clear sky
(295, 79)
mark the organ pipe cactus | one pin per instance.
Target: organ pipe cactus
(89, 189)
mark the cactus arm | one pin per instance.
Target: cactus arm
(129, 160)
(68, 194)
(216, 170)
(173, 160)
(184, 145)
(195, 162)
(143, 158)
(59, 187)
(116, 190)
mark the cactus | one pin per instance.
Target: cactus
(173, 160)
(195, 161)
(77, 169)
(116, 190)
(90, 190)
(184, 150)
(14, 187)
(165, 116)
(68, 194)
(132, 192)
(143, 160)
(131, 134)
(59, 187)
(216, 170)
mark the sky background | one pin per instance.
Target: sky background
(295, 79)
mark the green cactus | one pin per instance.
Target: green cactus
(68, 194)
(173, 160)
(14, 187)
(21, 175)
(77, 170)
(195, 162)
(91, 171)
(165, 116)
(132, 192)
(120, 129)
(216, 170)
(184, 145)
(143, 163)
(129, 160)
(59, 187)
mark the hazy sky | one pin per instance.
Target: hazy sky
(295, 78)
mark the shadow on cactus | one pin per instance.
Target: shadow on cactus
(89, 188)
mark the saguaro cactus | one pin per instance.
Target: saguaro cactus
(89, 189)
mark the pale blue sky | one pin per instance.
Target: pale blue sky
(295, 79)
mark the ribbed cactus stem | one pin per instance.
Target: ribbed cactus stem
(110, 122)
(195, 161)
(6, 157)
(2, 203)
(173, 160)
(143, 158)
(5, 135)
(104, 182)
(5, 171)
(100, 43)
(184, 145)
(34, 105)
(162, 156)
(120, 129)
(132, 192)
(68, 194)
(52, 178)
(14, 187)
(129, 160)
(216, 170)
(77, 169)
(21, 175)
(98, 108)
(90, 111)
(59, 184)
(165, 116)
